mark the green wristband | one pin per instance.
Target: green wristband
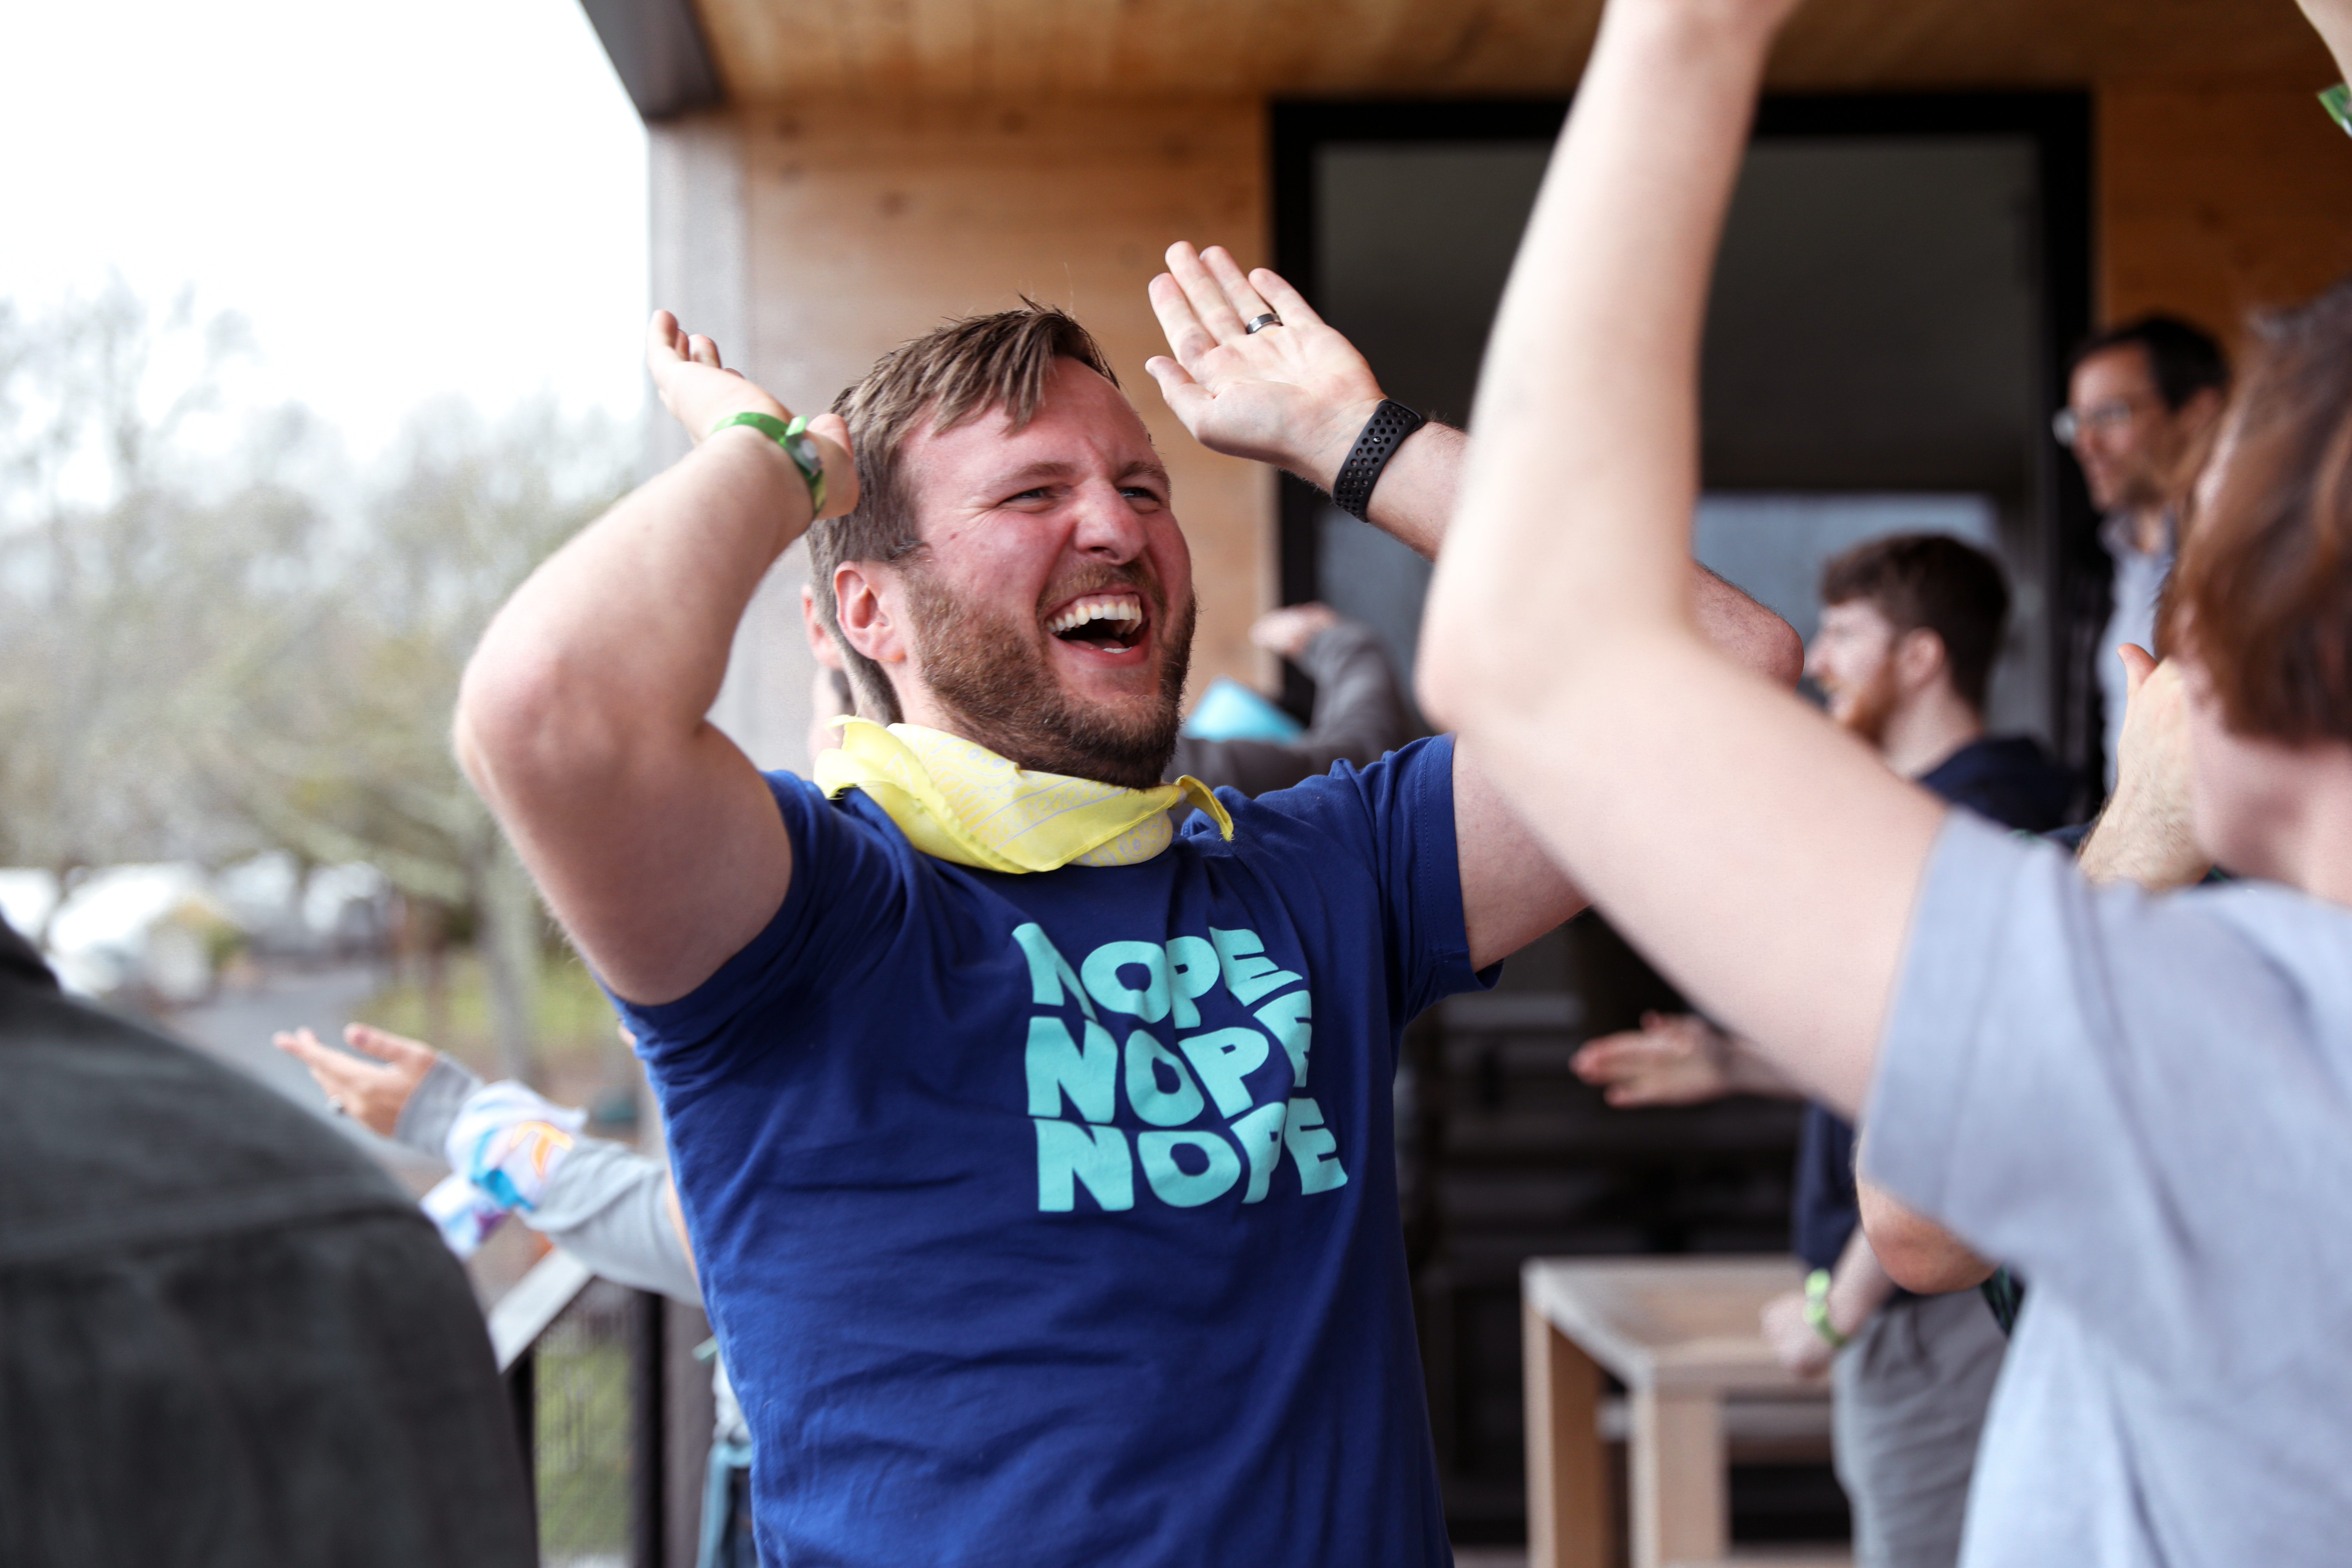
(1817, 1310)
(798, 445)
(2337, 101)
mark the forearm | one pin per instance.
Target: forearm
(1601, 317)
(1747, 1070)
(609, 1207)
(2333, 18)
(1413, 500)
(2155, 851)
(1913, 1250)
(1360, 710)
(1766, 863)
(619, 641)
(1859, 1286)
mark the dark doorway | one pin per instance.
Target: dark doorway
(1900, 279)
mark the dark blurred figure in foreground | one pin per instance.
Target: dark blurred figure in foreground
(225, 1337)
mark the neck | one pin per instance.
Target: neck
(1928, 729)
(2150, 530)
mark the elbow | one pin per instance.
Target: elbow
(1454, 678)
(1783, 656)
(521, 730)
(1917, 1253)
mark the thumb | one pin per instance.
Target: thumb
(2139, 665)
(1183, 394)
(832, 433)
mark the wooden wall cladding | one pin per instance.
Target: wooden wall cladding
(772, 49)
(2217, 201)
(870, 223)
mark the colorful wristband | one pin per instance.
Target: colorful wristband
(794, 438)
(2337, 101)
(1817, 1310)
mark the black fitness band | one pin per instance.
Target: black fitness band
(1384, 432)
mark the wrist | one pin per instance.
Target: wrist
(1319, 465)
(1817, 1310)
(792, 438)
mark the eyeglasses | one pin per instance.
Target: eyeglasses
(2070, 424)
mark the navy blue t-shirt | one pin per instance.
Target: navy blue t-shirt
(1053, 1219)
(2012, 781)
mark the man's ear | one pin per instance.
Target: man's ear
(820, 640)
(1920, 658)
(863, 610)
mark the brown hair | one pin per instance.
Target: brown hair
(2262, 598)
(1936, 582)
(948, 376)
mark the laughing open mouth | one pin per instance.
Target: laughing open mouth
(1107, 622)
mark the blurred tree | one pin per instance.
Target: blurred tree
(214, 639)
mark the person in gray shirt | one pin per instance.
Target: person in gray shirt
(2144, 1102)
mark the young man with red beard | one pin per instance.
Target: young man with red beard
(1910, 625)
(1036, 1152)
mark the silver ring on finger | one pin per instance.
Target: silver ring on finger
(1259, 323)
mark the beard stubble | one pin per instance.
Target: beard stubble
(985, 667)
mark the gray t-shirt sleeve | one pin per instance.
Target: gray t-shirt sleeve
(608, 1206)
(433, 1105)
(2144, 1104)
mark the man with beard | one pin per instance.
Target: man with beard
(2143, 401)
(1910, 625)
(1034, 1153)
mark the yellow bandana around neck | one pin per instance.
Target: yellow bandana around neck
(963, 803)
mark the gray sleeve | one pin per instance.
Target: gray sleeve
(1359, 715)
(432, 1106)
(2144, 1104)
(608, 1206)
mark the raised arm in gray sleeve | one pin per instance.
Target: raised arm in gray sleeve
(1359, 715)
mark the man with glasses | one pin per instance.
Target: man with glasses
(2142, 398)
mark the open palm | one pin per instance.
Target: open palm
(1295, 394)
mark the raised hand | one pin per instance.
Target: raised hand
(1295, 395)
(2146, 834)
(1672, 1059)
(699, 392)
(1288, 630)
(370, 1093)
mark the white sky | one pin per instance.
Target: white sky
(437, 196)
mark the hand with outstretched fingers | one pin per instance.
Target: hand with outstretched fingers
(699, 392)
(1288, 630)
(370, 1092)
(1673, 1058)
(1295, 395)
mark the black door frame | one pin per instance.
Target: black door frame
(2058, 124)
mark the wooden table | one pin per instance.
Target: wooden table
(1681, 1333)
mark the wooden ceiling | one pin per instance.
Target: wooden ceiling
(770, 49)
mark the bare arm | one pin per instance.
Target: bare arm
(1917, 1253)
(1766, 861)
(1298, 395)
(1676, 1058)
(2146, 835)
(2333, 18)
(580, 716)
(1859, 1286)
